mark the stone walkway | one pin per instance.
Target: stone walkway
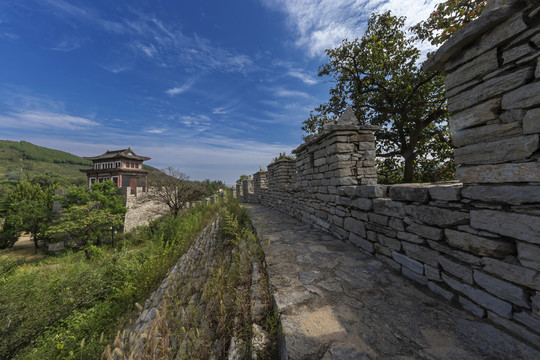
(337, 302)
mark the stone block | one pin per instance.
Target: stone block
(445, 192)
(476, 115)
(432, 273)
(519, 226)
(396, 224)
(485, 133)
(409, 263)
(528, 320)
(355, 226)
(382, 250)
(414, 276)
(363, 203)
(378, 219)
(472, 307)
(512, 327)
(536, 303)
(516, 148)
(389, 242)
(371, 191)
(504, 194)
(513, 273)
(478, 67)
(409, 192)
(431, 215)
(491, 88)
(479, 245)
(458, 270)
(529, 255)
(500, 173)
(388, 261)
(448, 295)
(524, 97)
(516, 53)
(480, 297)
(502, 289)
(511, 116)
(319, 162)
(531, 121)
(388, 207)
(361, 243)
(344, 181)
(421, 253)
(425, 231)
(410, 237)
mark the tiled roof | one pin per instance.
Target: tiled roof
(124, 153)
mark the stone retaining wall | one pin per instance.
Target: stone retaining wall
(475, 242)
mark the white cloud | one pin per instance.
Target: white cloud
(44, 119)
(291, 93)
(156, 131)
(180, 89)
(307, 79)
(322, 24)
(67, 45)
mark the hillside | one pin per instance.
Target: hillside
(21, 159)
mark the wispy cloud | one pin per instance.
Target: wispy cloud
(67, 45)
(43, 119)
(307, 79)
(10, 36)
(156, 131)
(320, 25)
(180, 89)
(291, 93)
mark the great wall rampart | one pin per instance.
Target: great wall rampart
(476, 241)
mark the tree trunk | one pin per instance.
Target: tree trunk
(409, 166)
(36, 246)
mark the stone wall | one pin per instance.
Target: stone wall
(475, 242)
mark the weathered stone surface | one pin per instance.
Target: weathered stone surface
(361, 242)
(536, 303)
(389, 242)
(355, 226)
(371, 191)
(516, 148)
(502, 289)
(518, 226)
(428, 232)
(432, 273)
(476, 115)
(485, 133)
(479, 245)
(524, 97)
(414, 276)
(422, 254)
(516, 52)
(409, 192)
(499, 173)
(363, 203)
(494, 87)
(472, 307)
(529, 320)
(514, 328)
(448, 295)
(461, 271)
(378, 219)
(480, 297)
(410, 237)
(510, 116)
(513, 273)
(307, 277)
(388, 207)
(460, 255)
(406, 261)
(478, 67)
(531, 121)
(436, 216)
(505, 194)
(445, 192)
(529, 255)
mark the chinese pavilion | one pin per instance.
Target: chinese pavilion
(123, 167)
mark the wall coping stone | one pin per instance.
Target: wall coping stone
(465, 36)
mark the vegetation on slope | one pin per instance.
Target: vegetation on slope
(50, 308)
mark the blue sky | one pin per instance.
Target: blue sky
(214, 88)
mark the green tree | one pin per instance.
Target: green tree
(379, 75)
(449, 16)
(28, 209)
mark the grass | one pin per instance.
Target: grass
(70, 307)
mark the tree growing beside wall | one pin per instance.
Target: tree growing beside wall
(172, 187)
(380, 76)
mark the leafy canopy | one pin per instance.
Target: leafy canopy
(380, 77)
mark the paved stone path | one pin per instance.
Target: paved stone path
(337, 302)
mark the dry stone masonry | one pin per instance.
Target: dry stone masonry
(475, 242)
